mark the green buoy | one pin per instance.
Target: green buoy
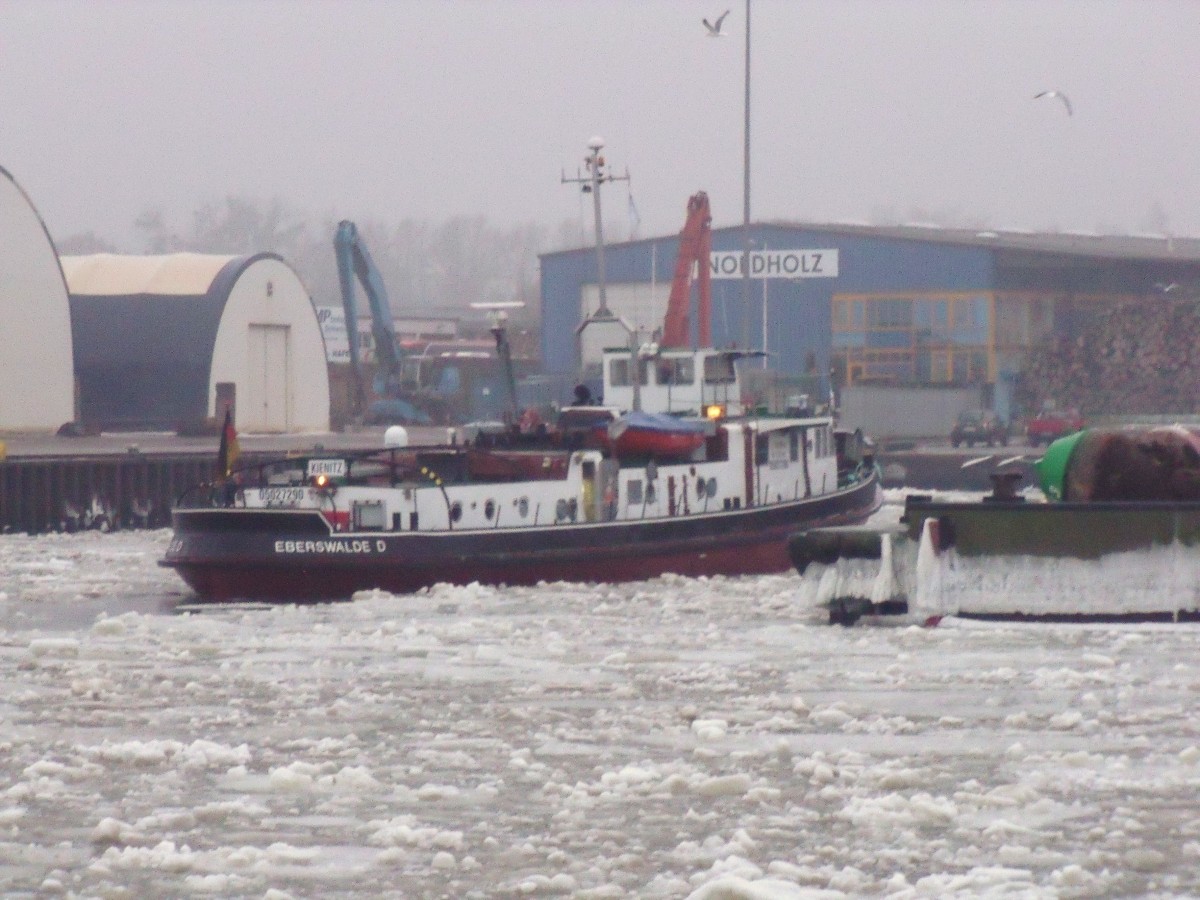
(1052, 467)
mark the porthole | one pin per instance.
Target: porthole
(489, 510)
(701, 488)
(711, 488)
(572, 509)
(455, 511)
(523, 507)
(560, 510)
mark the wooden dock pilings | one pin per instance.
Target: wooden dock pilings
(73, 493)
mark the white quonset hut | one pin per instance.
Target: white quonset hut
(37, 390)
(168, 341)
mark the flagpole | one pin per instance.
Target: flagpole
(228, 451)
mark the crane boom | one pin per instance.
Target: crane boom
(695, 246)
(354, 261)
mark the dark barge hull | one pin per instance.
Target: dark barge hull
(1068, 530)
(286, 555)
(1015, 541)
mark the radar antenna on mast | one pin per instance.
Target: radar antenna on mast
(590, 183)
(603, 316)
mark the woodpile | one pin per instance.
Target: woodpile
(1131, 358)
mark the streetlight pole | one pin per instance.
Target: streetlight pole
(746, 198)
(764, 314)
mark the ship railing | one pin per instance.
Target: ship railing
(294, 471)
(390, 467)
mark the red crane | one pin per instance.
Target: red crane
(695, 245)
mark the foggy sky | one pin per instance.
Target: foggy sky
(861, 111)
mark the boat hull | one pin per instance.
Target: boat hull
(290, 555)
(665, 437)
(664, 444)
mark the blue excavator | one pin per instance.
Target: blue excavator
(444, 385)
(389, 403)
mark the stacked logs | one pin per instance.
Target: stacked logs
(1131, 358)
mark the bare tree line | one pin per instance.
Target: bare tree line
(429, 268)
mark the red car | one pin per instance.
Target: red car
(1051, 424)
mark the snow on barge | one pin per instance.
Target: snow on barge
(1116, 539)
(520, 507)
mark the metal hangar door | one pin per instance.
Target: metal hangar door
(268, 375)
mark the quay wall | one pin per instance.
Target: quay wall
(63, 493)
(127, 479)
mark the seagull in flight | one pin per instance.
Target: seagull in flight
(1066, 101)
(714, 29)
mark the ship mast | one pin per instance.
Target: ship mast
(590, 184)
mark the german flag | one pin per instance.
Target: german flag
(228, 454)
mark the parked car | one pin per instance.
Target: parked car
(1050, 424)
(978, 426)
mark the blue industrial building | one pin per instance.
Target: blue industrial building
(907, 305)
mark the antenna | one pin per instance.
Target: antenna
(635, 218)
(590, 184)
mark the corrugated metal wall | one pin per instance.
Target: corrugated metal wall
(797, 308)
(142, 360)
(36, 367)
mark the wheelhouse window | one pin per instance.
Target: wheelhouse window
(676, 371)
(619, 369)
(618, 372)
(718, 370)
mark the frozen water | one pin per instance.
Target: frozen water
(703, 738)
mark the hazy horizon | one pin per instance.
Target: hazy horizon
(867, 112)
